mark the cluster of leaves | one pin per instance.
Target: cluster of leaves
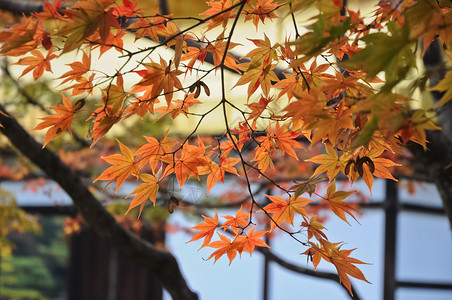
(327, 76)
(13, 218)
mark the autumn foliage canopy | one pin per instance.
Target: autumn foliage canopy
(329, 86)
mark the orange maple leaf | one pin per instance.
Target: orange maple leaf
(152, 27)
(283, 210)
(263, 9)
(105, 119)
(257, 75)
(58, 123)
(281, 137)
(193, 55)
(265, 53)
(182, 106)
(83, 85)
(336, 203)
(285, 139)
(237, 222)
(160, 78)
(341, 259)
(314, 228)
(253, 239)
(87, 17)
(145, 191)
(19, 38)
(257, 108)
(330, 124)
(122, 167)
(329, 163)
(79, 68)
(112, 41)
(216, 8)
(218, 49)
(187, 164)
(379, 166)
(217, 172)
(293, 85)
(316, 73)
(153, 150)
(128, 9)
(37, 62)
(206, 230)
(226, 246)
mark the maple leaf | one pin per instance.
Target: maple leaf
(143, 192)
(444, 86)
(218, 8)
(263, 158)
(257, 75)
(123, 165)
(218, 49)
(263, 9)
(341, 259)
(187, 164)
(58, 123)
(265, 53)
(381, 166)
(193, 55)
(385, 52)
(49, 11)
(329, 163)
(153, 150)
(83, 85)
(225, 246)
(330, 125)
(227, 146)
(283, 210)
(314, 228)
(19, 38)
(217, 172)
(237, 222)
(105, 119)
(253, 239)
(206, 230)
(37, 62)
(293, 85)
(285, 139)
(182, 106)
(306, 187)
(308, 106)
(78, 69)
(114, 95)
(334, 85)
(160, 78)
(258, 108)
(152, 27)
(280, 137)
(128, 9)
(112, 41)
(336, 203)
(429, 19)
(414, 128)
(87, 17)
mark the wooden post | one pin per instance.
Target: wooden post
(391, 210)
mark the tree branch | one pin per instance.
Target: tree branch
(305, 271)
(161, 263)
(21, 7)
(439, 157)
